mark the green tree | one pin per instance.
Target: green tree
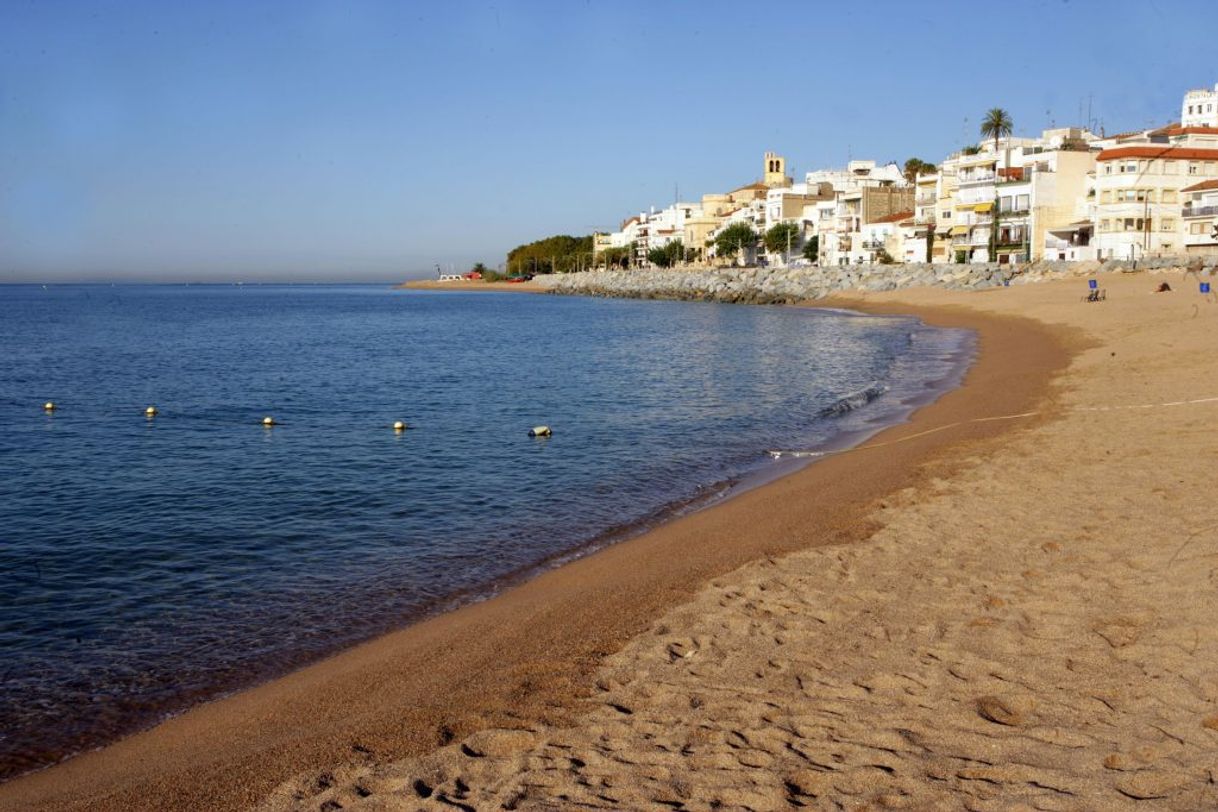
(781, 238)
(617, 257)
(479, 269)
(917, 166)
(996, 124)
(558, 254)
(812, 249)
(667, 255)
(735, 238)
(884, 258)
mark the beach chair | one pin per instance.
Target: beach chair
(1096, 295)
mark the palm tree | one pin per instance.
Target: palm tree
(917, 166)
(996, 124)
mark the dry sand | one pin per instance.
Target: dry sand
(1001, 614)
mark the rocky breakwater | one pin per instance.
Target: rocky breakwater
(786, 285)
(772, 285)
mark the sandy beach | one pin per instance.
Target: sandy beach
(1006, 603)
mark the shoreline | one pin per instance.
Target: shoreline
(551, 635)
(469, 284)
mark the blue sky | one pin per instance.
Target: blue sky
(370, 141)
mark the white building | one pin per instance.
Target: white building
(858, 200)
(884, 234)
(1200, 108)
(1140, 189)
(650, 229)
(1200, 217)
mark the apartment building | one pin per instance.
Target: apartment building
(1199, 217)
(1139, 195)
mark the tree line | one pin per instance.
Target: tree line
(561, 253)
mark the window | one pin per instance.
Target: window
(1166, 246)
(1106, 196)
(1167, 224)
(1004, 203)
(1193, 167)
(1169, 167)
(1167, 196)
(1104, 225)
(1209, 167)
(1156, 166)
(1021, 203)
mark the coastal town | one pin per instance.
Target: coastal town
(1067, 194)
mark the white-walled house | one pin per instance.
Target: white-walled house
(882, 234)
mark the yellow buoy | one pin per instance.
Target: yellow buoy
(268, 421)
(48, 406)
(399, 426)
(150, 411)
(540, 431)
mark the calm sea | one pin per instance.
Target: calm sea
(148, 564)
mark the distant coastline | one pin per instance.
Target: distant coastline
(470, 284)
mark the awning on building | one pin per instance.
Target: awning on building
(958, 230)
(982, 208)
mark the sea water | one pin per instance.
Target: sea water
(147, 564)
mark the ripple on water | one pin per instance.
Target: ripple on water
(152, 563)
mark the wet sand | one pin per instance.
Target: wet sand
(534, 658)
(1028, 626)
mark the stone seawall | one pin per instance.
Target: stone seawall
(785, 285)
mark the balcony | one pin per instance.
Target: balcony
(925, 200)
(1200, 211)
(983, 177)
(872, 245)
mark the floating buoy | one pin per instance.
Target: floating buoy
(48, 406)
(540, 431)
(268, 421)
(399, 426)
(150, 411)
